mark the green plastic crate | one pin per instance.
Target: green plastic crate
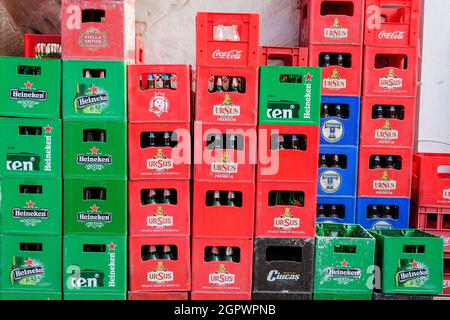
(30, 263)
(95, 265)
(30, 296)
(290, 95)
(94, 98)
(30, 87)
(94, 296)
(410, 261)
(95, 207)
(31, 206)
(344, 256)
(30, 147)
(341, 296)
(105, 157)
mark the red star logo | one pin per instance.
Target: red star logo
(29, 262)
(93, 89)
(308, 77)
(344, 263)
(112, 246)
(48, 129)
(94, 150)
(414, 264)
(30, 204)
(94, 208)
(28, 85)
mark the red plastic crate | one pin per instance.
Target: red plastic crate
(223, 221)
(221, 296)
(222, 276)
(386, 131)
(331, 22)
(139, 51)
(159, 105)
(224, 164)
(435, 220)
(288, 220)
(159, 274)
(232, 51)
(159, 162)
(446, 275)
(387, 74)
(234, 108)
(392, 23)
(431, 179)
(339, 80)
(142, 295)
(159, 219)
(384, 182)
(287, 56)
(287, 164)
(31, 40)
(105, 32)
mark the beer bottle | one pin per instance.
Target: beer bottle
(166, 81)
(379, 112)
(392, 112)
(303, 145)
(335, 161)
(338, 111)
(278, 199)
(387, 214)
(241, 84)
(151, 197)
(152, 139)
(294, 142)
(233, 142)
(218, 141)
(326, 60)
(159, 81)
(340, 60)
(166, 196)
(219, 86)
(376, 162)
(230, 197)
(398, 163)
(214, 254)
(102, 137)
(226, 83)
(102, 74)
(173, 82)
(281, 142)
(323, 161)
(321, 211)
(166, 139)
(211, 83)
(333, 212)
(151, 81)
(234, 85)
(167, 253)
(87, 74)
(228, 254)
(152, 254)
(101, 194)
(324, 113)
(140, 82)
(374, 214)
(390, 162)
(216, 200)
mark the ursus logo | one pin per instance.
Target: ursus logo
(160, 162)
(336, 31)
(287, 221)
(224, 165)
(386, 133)
(391, 81)
(334, 82)
(160, 275)
(160, 219)
(385, 184)
(222, 277)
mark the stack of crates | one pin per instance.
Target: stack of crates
(388, 112)
(333, 31)
(288, 134)
(430, 209)
(224, 155)
(159, 151)
(30, 179)
(98, 39)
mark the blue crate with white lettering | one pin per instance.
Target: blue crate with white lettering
(338, 173)
(383, 213)
(339, 121)
(336, 209)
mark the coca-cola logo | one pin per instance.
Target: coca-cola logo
(395, 35)
(227, 55)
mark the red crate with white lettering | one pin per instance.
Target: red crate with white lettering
(159, 160)
(238, 296)
(227, 39)
(159, 207)
(431, 179)
(227, 107)
(446, 286)
(338, 79)
(331, 22)
(148, 296)
(139, 51)
(158, 270)
(387, 122)
(284, 56)
(98, 30)
(31, 43)
(435, 220)
(223, 209)
(390, 72)
(224, 153)
(218, 276)
(155, 101)
(392, 23)
(385, 180)
(287, 164)
(286, 209)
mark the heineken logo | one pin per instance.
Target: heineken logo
(160, 219)
(22, 162)
(222, 277)
(391, 81)
(160, 275)
(446, 194)
(386, 133)
(93, 38)
(283, 110)
(287, 221)
(26, 272)
(224, 166)
(87, 279)
(405, 276)
(330, 181)
(275, 275)
(112, 265)
(385, 184)
(308, 92)
(22, 273)
(336, 31)
(94, 161)
(27, 96)
(159, 162)
(344, 272)
(30, 212)
(159, 104)
(332, 130)
(95, 99)
(227, 108)
(334, 82)
(95, 218)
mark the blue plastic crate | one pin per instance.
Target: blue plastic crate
(339, 182)
(399, 221)
(345, 206)
(339, 131)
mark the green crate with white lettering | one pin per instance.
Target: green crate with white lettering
(30, 147)
(20, 295)
(30, 205)
(95, 296)
(30, 263)
(94, 90)
(290, 95)
(30, 87)
(94, 265)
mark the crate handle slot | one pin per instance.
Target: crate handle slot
(25, 189)
(344, 249)
(29, 70)
(92, 15)
(284, 254)
(94, 248)
(26, 246)
(94, 73)
(444, 172)
(413, 248)
(337, 8)
(30, 131)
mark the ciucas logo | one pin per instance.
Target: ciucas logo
(384, 184)
(29, 215)
(336, 31)
(386, 133)
(94, 218)
(27, 96)
(391, 81)
(330, 181)
(332, 130)
(160, 219)
(227, 55)
(160, 162)
(222, 277)
(224, 165)
(94, 160)
(226, 110)
(93, 38)
(160, 275)
(394, 35)
(334, 82)
(286, 221)
(275, 275)
(159, 104)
